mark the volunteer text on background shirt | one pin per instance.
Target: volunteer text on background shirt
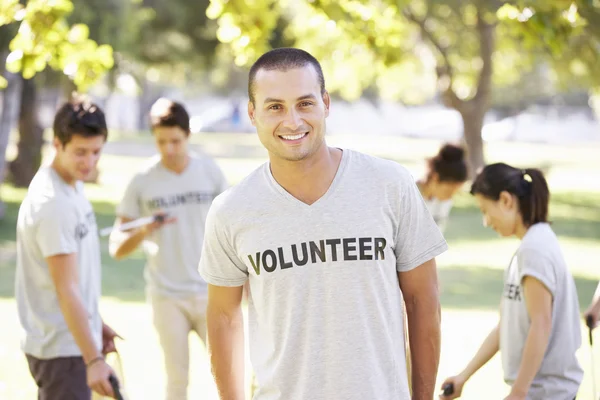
(173, 250)
(55, 218)
(560, 374)
(325, 307)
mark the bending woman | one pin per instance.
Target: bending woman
(446, 174)
(539, 328)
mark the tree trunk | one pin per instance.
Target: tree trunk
(7, 112)
(29, 156)
(472, 127)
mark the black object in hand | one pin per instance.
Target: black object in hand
(589, 321)
(114, 382)
(448, 389)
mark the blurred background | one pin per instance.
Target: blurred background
(515, 81)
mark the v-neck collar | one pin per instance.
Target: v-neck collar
(172, 173)
(332, 187)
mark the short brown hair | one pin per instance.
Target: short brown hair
(283, 59)
(79, 116)
(165, 112)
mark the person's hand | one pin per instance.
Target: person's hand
(97, 378)
(108, 339)
(593, 313)
(157, 224)
(457, 383)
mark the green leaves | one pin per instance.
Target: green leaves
(44, 38)
(364, 44)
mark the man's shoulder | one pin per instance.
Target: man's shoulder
(146, 172)
(379, 168)
(45, 191)
(242, 195)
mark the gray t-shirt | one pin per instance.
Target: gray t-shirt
(325, 308)
(173, 251)
(440, 211)
(55, 218)
(540, 256)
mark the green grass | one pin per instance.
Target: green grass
(470, 272)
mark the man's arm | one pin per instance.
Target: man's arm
(226, 340)
(420, 291)
(538, 301)
(64, 272)
(124, 243)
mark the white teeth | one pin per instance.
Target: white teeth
(294, 137)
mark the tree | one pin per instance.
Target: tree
(45, 39)
(412, 50)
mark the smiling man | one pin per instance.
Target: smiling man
(330, 241)
(58, 275)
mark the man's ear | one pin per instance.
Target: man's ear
(327, 101)
(57, 144)
(251, 112)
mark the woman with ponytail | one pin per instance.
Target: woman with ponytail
(538, 332)
(446, 174)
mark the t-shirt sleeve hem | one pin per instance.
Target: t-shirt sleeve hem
(60, 251)
(216, 281)
(535, 274)
(424, 257)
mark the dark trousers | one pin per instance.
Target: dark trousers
(61, 378)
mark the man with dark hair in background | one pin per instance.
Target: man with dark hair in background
(180, 186)
(330, 241)
(58, 275)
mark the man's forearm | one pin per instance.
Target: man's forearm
(424, 318)
(226, 352)
(125, 243)
(533, 355)
(76, 318)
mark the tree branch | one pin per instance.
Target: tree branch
(444, 70)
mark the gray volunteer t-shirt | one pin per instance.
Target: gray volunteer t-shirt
(173, 251)
(540, 256)
(55, 218)
(325, 308)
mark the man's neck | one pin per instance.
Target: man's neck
(308, 180)
(68, 179)
(177, 167)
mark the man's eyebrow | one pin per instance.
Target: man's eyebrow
(305, 97)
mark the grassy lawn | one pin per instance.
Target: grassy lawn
(470, 272)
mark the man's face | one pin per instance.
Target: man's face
(80, 156)
(172, 144)
(289, 112)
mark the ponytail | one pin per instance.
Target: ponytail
(534, 205)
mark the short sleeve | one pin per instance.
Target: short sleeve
(219, 264)
(57, 230)
(532, 263)
(418, 238)
(129, 207)
(223, 185)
